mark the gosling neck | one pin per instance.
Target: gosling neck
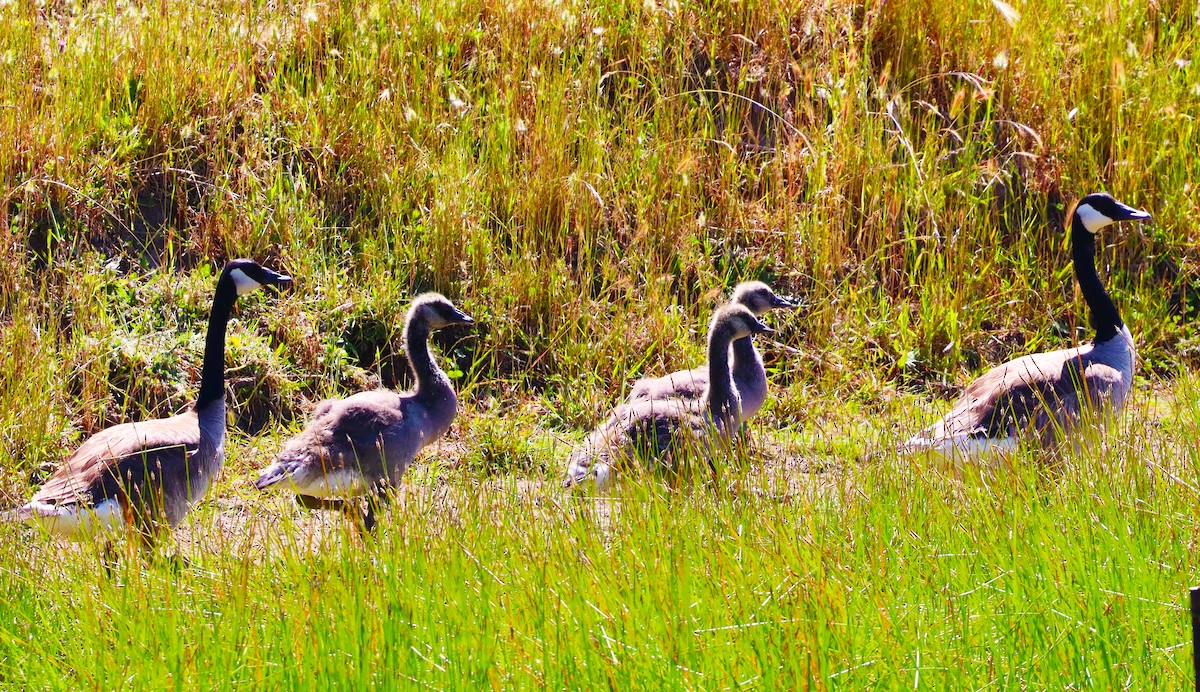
(431, 380)
(1104, 316)
(723, 405)
(212, 374)
(746, 361)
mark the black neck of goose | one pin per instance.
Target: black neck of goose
(1105, 318)
(212, 374)
(430, 377)
(722, 402)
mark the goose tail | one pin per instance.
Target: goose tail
(23, 514)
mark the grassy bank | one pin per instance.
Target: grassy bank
(588, 180)
(889, 574)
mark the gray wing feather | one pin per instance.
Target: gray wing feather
(682, 384)
(346, 435)
(656, 433)
(1036, 395)
(139, 463)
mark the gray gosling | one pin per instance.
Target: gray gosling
(749, 375)
(1043, 397)
(361, 445)
(662, 430)
(149, 474)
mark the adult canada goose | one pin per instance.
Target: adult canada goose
(361, 445)
(662, 429)
(144, 474)
(1041, 396)
(749, 376)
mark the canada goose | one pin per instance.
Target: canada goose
(142, 474)
(1043, 395)
(749, 376)
(664, 428)
(361, 445)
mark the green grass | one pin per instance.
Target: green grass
(888, 574)
(587, 180)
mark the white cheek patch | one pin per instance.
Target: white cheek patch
(243, 283)
(1093, 220)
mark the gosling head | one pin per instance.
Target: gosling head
(1100, 209)
(735, 321)
(759, 298)
(437, 312)
(248, 275)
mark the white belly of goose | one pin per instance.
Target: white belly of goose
(966, 447)
(78, 522)
(342, 483)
